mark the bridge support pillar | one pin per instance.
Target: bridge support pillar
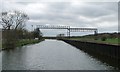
(68, 33)
(95, 32)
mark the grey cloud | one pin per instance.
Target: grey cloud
(64, 13)
(60, 11)
(95, 9)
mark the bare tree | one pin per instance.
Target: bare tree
(13, 19)
(13, 23)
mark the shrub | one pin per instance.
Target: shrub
(103, 38)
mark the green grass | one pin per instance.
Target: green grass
(0, 45)
(114, 41)
(21, 43)
(111, 41)
(26, 42)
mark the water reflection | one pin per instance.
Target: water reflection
(50, 55)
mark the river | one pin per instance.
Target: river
(50, 55)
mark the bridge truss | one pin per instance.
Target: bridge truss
(68, 28)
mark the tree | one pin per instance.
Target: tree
(13, 23)
(13, 20)
(37, 33)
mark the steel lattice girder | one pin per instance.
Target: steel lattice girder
(69, 29)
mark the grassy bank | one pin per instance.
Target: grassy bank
(0, 45)
(25, 42)
(113, 41)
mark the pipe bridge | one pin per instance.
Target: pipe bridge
(69, 29)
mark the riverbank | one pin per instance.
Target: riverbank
(0, 45)
(102, 38)
(25, 42)
(104, 49)
(106, 52)
(110, 41)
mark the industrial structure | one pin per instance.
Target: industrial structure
(69, 29)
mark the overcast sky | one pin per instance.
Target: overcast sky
(87, 13)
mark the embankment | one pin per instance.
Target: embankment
(107, 53)
(21, 43)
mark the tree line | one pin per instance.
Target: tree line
(13, 23)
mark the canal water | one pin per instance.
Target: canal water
(50, 55)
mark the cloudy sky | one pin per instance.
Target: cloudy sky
(87, 13)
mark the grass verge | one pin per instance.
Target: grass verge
(113, 41)
(24, 42)
(0, 45)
